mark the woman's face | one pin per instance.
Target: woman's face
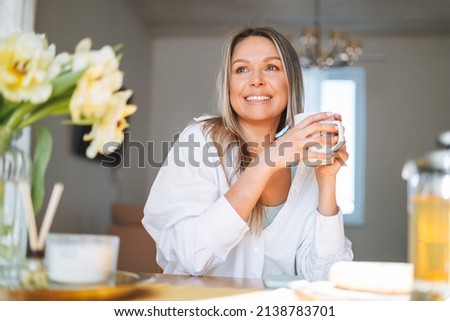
(258, 83)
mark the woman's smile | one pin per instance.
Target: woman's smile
(257, 99)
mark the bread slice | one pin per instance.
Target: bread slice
(377, 277)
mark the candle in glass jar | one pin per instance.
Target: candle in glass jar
(81, 258)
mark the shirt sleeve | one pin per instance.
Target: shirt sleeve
(193, 224)
(329, 245)
(324, 243)
(329, 236)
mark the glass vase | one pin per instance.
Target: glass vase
(15, 167)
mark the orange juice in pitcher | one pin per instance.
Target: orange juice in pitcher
(430, 244)
(428, 179)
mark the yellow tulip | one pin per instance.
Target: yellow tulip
(28, 67)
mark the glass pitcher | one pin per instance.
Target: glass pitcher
(428, 191)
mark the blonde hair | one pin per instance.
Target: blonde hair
(225, 129)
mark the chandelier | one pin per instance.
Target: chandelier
(342, 52)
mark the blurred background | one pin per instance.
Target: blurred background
(171, 55)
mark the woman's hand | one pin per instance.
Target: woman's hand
(330, 171)
(339, 159)
(294, 145)
(326, 180)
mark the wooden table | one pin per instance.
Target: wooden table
(165, 287)
(157, 287)
(207, 281)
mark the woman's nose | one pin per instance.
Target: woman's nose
(257, 79)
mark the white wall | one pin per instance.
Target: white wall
(408, 103)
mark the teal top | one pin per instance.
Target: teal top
(272, 211)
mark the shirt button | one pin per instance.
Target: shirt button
(294, 191)
(256, 250)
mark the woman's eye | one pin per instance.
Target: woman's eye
(272, 68)
(241, 69)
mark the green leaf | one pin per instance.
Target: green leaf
(66, 81)
(57, 106)
(42, 152)
(7, 108)
(117, 47)
(16, 117)
(8, 104)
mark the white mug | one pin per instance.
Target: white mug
(326, 148)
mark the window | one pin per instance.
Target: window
(342, 90)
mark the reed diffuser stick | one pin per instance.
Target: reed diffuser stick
(29, 214)
(50, 214)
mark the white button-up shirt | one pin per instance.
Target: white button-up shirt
(198, 232)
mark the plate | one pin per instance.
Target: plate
(126, 283)
(326, 291)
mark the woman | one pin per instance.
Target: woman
(231, 199)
